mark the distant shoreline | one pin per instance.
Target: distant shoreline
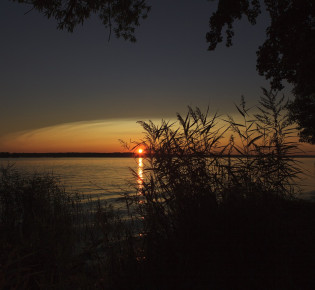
(89, 155)
(66, 154)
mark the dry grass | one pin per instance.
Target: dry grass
(201, 217)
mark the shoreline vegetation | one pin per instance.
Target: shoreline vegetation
(194, 220)
(55, 239)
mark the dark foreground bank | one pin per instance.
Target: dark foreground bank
(50, 241)
(195, 220)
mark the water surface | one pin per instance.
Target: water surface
(110, 177)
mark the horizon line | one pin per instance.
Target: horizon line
(103, 154)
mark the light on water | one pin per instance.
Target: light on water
(110, 177)
(140, 172)
(104, 177)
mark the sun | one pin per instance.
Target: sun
(140, 151)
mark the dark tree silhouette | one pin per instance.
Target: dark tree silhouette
(120, 16)
(286, 55)
(302, 111)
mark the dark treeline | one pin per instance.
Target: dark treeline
(66, 154)
(113, 154)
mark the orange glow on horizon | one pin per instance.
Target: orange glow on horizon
(98, 136)
(91, 136)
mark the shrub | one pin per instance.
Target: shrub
(38, 235)
(210, 207)
(192, 166)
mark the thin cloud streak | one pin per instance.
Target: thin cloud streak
(89, 136)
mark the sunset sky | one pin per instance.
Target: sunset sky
(63, 92)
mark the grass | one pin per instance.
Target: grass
(37, 230)
(214, 219)
(54, 239)
(202, 218)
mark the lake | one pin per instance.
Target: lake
(107, 177)
(110, 177)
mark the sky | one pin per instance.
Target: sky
(79, 92)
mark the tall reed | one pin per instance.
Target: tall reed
(38, 234)
(190, 163)
(214, 207)
(202, 195)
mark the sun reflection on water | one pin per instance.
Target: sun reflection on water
(140, 172)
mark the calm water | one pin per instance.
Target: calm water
(110, 177)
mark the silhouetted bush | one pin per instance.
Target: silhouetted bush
(208, 212)
(222, 213)
(38, 236)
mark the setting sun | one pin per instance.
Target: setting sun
(140, 151)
